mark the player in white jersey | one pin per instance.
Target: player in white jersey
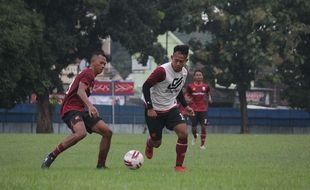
(161, 91)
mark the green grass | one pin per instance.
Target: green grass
(229, 162)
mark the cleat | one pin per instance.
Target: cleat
(193, 141)
(202, 147)
(48, 160)
(149, 152)
(180, 169)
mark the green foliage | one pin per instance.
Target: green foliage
(49, 35)
(129, 22)
(20, 32)
(39, 39)
(230, 162)
(239, 48)
(294, 50)
(250, 36)
(136, 25)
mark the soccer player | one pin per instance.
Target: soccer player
(81, 116)
(199, 99)
(161, 91)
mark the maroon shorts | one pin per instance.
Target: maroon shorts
(200, 117)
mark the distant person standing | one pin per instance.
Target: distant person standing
(81, 116)
(199, 99)
(161, 91)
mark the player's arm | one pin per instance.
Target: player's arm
(188, 92)
(146, 89)
(157, 76)
(209, 100)
(187, 98)
(182, 100)
(82, 94)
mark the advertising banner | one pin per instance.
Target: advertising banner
(120, 88)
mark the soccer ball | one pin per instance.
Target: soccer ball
(133, 159)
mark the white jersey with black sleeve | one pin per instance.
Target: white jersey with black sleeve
(166, 86)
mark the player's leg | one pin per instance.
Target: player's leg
(155, 127)
(203, 122)
(181, 145)
(194, 121)
(150, 144)
(79, 132)
(175, 121)
(101, 128)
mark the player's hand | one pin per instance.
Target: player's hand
(151, 113)
(210, 101)
(93, 112)
(190, 111)
(188, 99)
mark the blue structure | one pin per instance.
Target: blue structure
(134, 115)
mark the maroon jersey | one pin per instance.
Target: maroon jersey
(72, 101)
(198, 94)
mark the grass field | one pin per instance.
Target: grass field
(229, 162)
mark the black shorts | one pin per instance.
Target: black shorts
(72, 117)
(200, 117)
(169, 120)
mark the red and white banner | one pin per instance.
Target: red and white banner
(124, 88)
(103, 88)
(120, 88)
(258, 97)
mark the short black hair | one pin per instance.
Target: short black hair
(183, 49)
(96, 53)
(198, 71)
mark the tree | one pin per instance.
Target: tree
(242, 44)
(57, 32)
(20, 32)
(136, 25)
(39, 39)
(58, 48)
(294, 52)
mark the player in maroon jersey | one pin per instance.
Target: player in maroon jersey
(161, 91)
(81, 116)
(199, 99)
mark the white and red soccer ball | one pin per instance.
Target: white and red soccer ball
(133, 159)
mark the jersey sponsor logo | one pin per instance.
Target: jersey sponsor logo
(182, 117)
(198, 93)
(175, 83)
